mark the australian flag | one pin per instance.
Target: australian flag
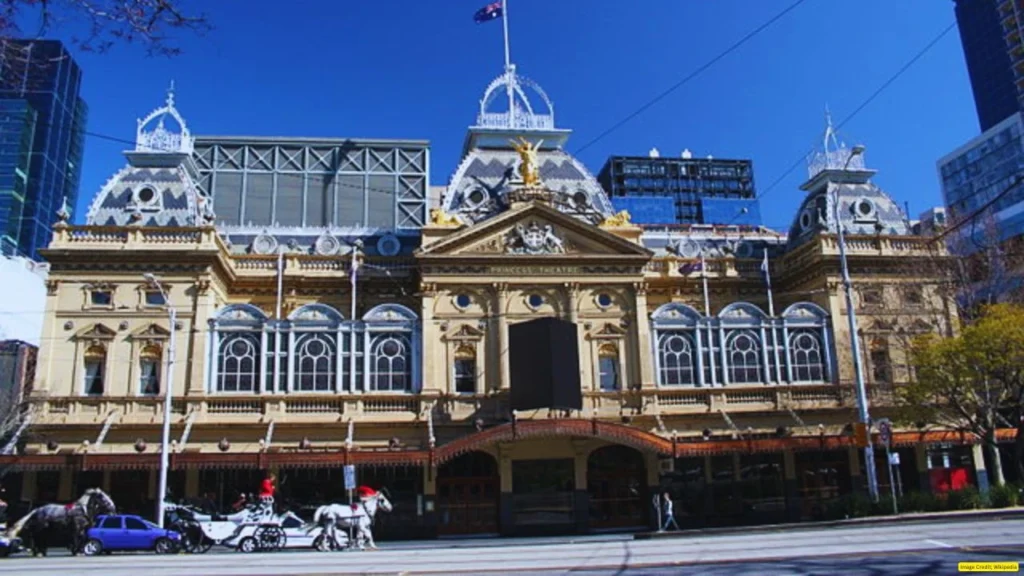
(691, 267)
(488, 13)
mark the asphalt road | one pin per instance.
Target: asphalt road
(899, 549)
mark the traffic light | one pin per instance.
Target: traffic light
(860, 434)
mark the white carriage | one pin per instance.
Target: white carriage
(255, 529)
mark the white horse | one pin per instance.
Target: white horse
(359, 516)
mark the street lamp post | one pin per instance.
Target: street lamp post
(165, 439)
(851, 316)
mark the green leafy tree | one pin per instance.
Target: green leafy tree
(970, 380)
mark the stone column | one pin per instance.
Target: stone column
(924, 477)
(501, 298)
(581, 498)
(64, 485)
(856, 479)
(192, 483)
(433, 359)
(506, 524)
(652, 465)
(644, 351)
(196, 349)
(978, 456)
(429, 510)
(28, 485)
(791, 486)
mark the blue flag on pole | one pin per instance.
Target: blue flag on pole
(487, 13)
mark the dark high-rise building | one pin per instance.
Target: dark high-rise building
(41, 113)
(988, 60)
(682, 190)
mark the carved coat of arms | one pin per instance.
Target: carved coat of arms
(533, 239)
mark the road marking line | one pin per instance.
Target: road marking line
(940, 544)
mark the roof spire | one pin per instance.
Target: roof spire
(834, 154)
(170, 95)
(159, 138)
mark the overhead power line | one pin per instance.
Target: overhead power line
(700, 70)
(860, 108)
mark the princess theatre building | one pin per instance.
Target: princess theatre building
(670, 376)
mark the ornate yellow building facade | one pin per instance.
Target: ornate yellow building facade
(301, 350)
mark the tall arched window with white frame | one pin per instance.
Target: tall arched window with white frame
(316, 354)
(238, 362)
(743, 351)
(392, 349)
(677, 365)
(390, 369)
(680, 337)
(808, 346)
(236, 344)
(808, 360)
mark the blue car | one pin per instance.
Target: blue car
(123, 532)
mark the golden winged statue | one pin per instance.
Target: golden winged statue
(529, 169)
(439, 217)
(618, 220)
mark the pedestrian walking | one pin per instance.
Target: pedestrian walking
(667, 512)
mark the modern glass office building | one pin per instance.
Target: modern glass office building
(39, 87)
(988, 60)
(684, 190)
(980, 170)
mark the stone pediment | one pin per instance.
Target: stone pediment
(151, 332)
(607, 331)
(533, 230)
(96, 332)
(465, 332)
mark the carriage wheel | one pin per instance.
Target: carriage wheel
(271, 538)
(248, 545)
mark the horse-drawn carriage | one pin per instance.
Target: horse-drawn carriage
(254, 527)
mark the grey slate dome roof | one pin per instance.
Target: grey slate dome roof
(157, 187)
(838, 174)
(480, 183)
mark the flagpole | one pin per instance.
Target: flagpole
(704, 281)
(707, 317)
(510, 81)
(280, 282)
(504, 21)
(768, 280)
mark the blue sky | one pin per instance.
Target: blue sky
(404, 69)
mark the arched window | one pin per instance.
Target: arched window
(149, 371)
(805, 347)
(608, 367)
(316, 353)
(237, 365)
(464, 370)
(881, 362)
(676, 359)
(392, 344)
(744, 355)
(95, 370)
(390, 363)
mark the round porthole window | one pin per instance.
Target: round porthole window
(535, 300)
(580, 198)
(805, 220)
(604, 300)
(463, 301)
(146, 195)
(476, 197)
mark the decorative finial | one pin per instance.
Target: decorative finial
(159, 138)
(64, 214)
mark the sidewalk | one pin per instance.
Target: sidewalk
(912, 518)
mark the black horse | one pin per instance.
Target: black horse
(72, 519)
